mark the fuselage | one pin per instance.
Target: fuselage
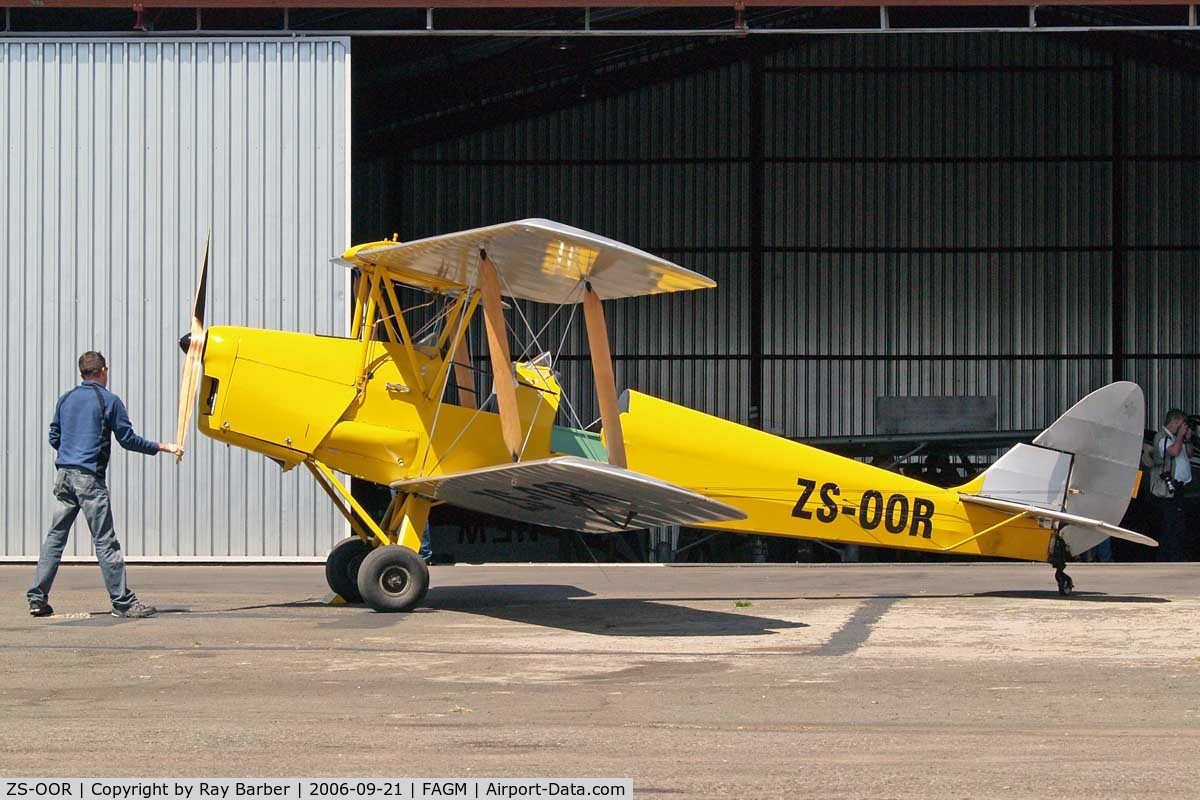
(790, 489)
(371, 410)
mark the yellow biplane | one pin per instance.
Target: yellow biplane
(402, 410)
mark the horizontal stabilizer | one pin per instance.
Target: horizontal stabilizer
(572, 493)
(1060, 516)
(537, 259)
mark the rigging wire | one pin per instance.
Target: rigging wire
(441, 401)
(555, 356)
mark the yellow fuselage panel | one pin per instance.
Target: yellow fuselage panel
(283, 389)
(291, 395)
(789, 489)
(537, 405)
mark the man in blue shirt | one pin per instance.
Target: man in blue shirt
(84, 419)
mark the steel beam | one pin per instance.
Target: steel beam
(631, 33)
(756, 126)
(1117, 223)
(542, 5)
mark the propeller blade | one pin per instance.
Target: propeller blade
(189, 381)
(193, 362)
(202, 287)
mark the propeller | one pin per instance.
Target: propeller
(192, 343)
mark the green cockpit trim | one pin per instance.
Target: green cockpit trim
(574, 442)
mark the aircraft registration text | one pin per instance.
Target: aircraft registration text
(897, 513)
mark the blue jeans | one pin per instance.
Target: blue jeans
(426, 551)
(75, 491)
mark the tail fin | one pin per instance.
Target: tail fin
(1081, 469)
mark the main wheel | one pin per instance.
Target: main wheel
(393, 578)
(342, 565)
(1065, 584)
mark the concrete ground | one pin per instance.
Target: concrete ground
(865, 681)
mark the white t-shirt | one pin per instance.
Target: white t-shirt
(1183, 468)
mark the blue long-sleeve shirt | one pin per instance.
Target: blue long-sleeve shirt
(81, 435)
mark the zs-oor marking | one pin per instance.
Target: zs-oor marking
(896, 512)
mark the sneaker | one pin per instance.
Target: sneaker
(136, 611)
(40, 608)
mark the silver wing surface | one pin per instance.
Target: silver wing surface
(538, 260)
(572, 493)
(1037, 512)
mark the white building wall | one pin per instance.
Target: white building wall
(117, 158)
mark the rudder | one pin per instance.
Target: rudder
(1085, 464)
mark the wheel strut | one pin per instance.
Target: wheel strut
(1058, 559)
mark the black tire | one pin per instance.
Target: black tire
(342, 565)
(393, 578)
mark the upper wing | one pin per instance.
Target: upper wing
(573, 493)
(538, 260)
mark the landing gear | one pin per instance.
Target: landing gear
(385, 576)
(1058, 559)
(393, 578)
(341, 567)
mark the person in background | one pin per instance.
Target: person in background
(1170, 474)
(85, 418)
(938, 470)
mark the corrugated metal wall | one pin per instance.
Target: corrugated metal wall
(119, 156)
(937, 219)
(1162, 229)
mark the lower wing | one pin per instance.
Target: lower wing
(572, 493)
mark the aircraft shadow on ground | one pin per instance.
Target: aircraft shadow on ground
(572, 608)
(569, 608)
(1074, 597)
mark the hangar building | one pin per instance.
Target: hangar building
(911, 201)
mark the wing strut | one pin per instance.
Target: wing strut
(502, 370)
(606, 383)
(463, 376)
